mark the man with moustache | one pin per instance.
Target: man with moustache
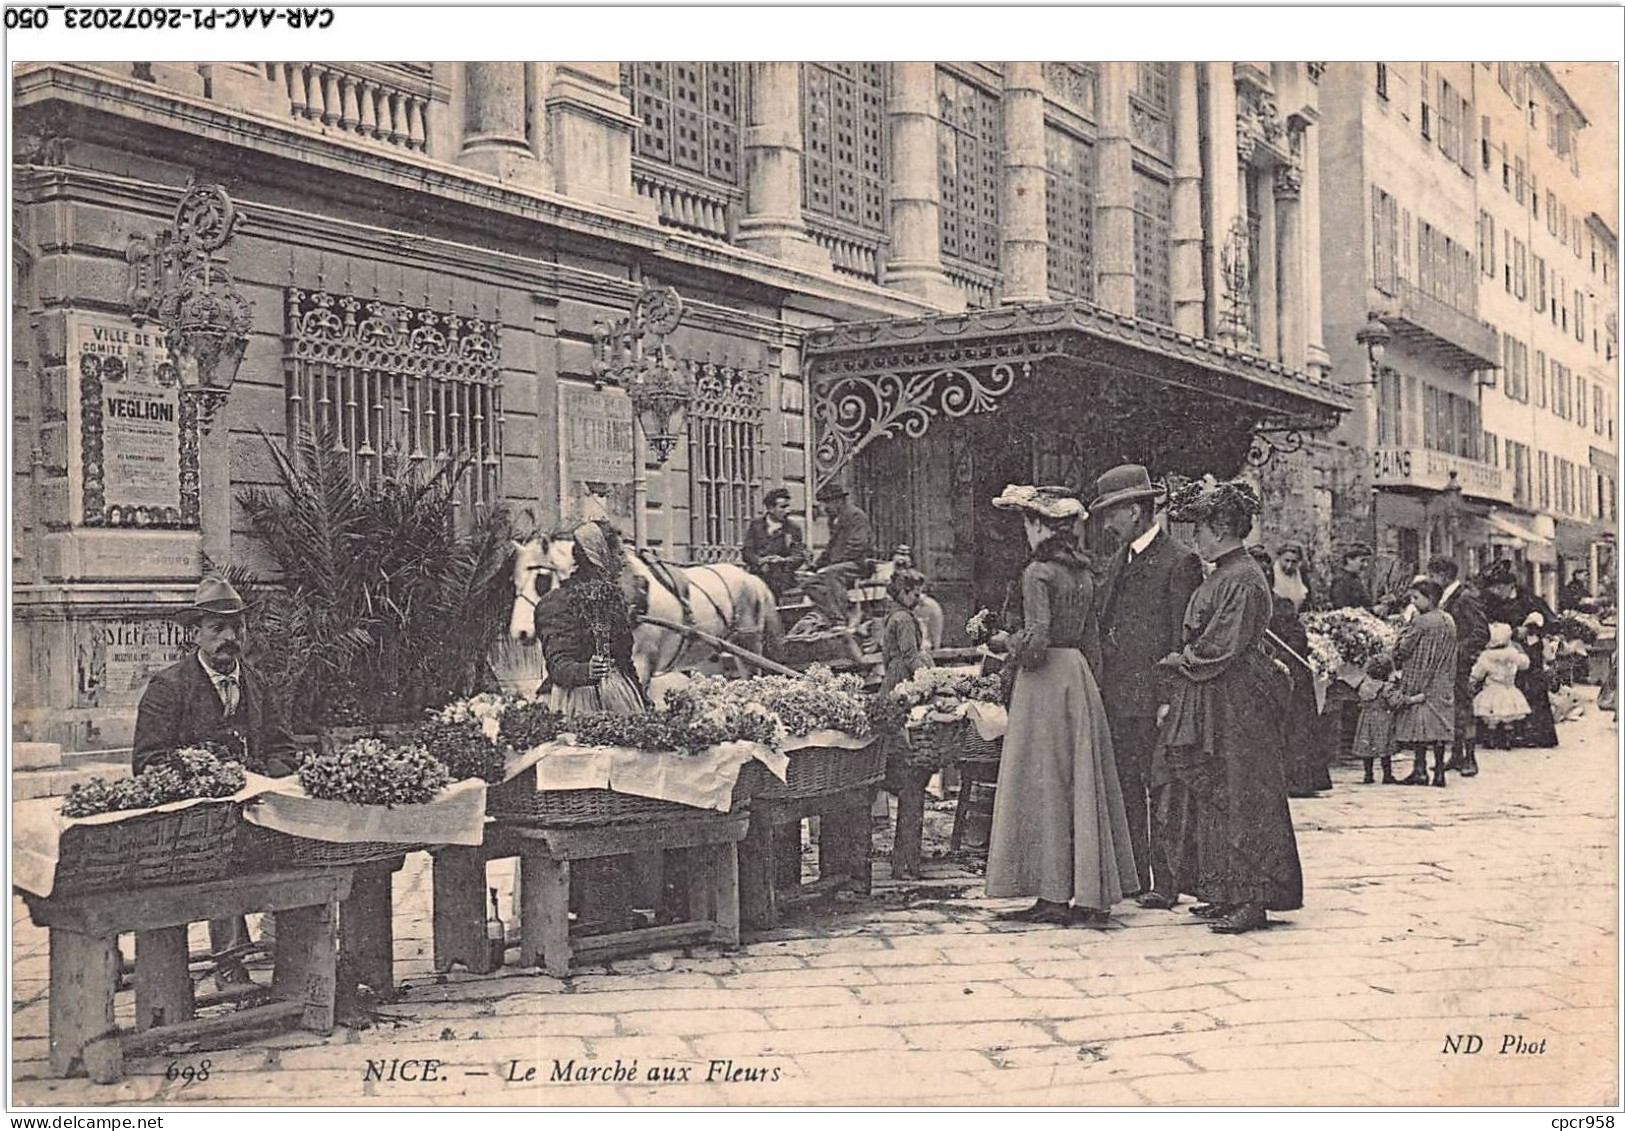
(1149, 581)
(214, 696)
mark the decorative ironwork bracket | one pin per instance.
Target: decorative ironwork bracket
(851, 412)
(1280, 436)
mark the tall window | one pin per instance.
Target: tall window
(1580, 405)
(1486, 243)
(1545, 481)
(388, 381)
(970, 152)
(1390, 409)
(690, 116)
(725, 445)
(1069, 214)
(1151, 113)
(846, 165)
(1384, 242)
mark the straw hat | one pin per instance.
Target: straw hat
(1045, 502)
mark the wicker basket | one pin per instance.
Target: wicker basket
(817, 770)
(183, 846)
(260, 849)
(518, 799)
(938, 746)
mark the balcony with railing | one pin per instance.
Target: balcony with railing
(1419, 318)
(852, 251)
(688, 202)
(396, 104)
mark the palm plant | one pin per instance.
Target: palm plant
(386, 607)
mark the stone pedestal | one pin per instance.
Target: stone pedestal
(1025, 226)
(589, 137)
(915, 265)
(773, 154)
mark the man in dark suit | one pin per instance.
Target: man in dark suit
(847, 558)
(1142, 609)
(212, 695)
(774, 547)
(1472, 637)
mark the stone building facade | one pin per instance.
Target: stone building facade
(1458, 220)
(921, 279)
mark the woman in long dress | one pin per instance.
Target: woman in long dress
(585, 630)
(1219, 737)
(1060, 831)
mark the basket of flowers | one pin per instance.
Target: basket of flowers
(953, 715)
(175, 823)
(369, 800)
(825, 729)
(1345, 640)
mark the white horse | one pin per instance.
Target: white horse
(723, 600)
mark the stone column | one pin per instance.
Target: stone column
(1025, 226)
(1114, 189)
(1290, 275)
(1188, 292)
(1316, 358)
(915, 265)
(495, 139)
(589, 135)
(1266, 283)
(772, 223)
(1220, 178)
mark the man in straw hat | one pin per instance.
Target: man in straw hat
(1148, 583)
(213, 695)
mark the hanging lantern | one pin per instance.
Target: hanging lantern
(632, 353)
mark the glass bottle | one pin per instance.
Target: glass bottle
(496, 934)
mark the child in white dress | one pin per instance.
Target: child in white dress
(1500, 703)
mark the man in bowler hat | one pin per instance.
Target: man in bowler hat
(213, 695)
(848, 556)
(1149, 581)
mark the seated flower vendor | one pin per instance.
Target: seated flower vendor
(848, 556)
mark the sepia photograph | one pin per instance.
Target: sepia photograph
(787, 584)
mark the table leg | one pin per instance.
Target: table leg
(307, 962)
(163, 987)
(724, 874)
(459, 910)
(83, 975)
(905, 853)
(546, 918)
(758, 870)
(367, 933)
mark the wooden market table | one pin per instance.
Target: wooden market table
(84, 961)
(770, 860)
(546, 854)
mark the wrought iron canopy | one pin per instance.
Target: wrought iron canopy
(871, 380)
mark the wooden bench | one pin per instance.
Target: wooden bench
(546, 854)
(770, 861)
(84, 961)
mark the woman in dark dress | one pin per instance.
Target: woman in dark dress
(585, 631)
(1508, 602)
(1308, 749)
(1218, 734)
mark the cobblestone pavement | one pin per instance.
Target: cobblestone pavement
(1488, 909)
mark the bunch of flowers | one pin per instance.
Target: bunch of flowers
(650, 731)
(1583, 627)
(462, 746)
(526, 726)
(484, 710)
(185, 773)
(369, 771)
(981, 627)
(948, 688)
(1352, 636)
(818, 700)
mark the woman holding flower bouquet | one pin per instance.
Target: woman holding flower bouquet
(1220, 731)
(1059, 828)
(585, 630)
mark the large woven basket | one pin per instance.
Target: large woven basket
(183, 846)
(518, 799)
(817, 770)
(261, 849)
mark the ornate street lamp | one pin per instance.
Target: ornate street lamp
(175, 282)
(632, 353)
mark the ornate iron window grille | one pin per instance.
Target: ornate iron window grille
(686, 152)
(846, 169)
(970, 153)
(726, 446)
(392, 382)
(1069, 207)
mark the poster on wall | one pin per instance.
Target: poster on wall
(136, 462)
(114, 659)
(595, 449)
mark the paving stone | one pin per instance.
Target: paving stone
(794, 1043)
(984, 1036)
(887, 993)
(1291, 989)
(1185, 999)
(1109, 1026)
(853, 975)
(685, 1021)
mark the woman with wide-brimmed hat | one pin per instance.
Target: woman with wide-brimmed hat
(1059, 829)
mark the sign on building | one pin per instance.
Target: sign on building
(114, 659)
(133, 455)
(595, 450)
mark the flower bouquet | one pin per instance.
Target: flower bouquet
(817, 701)
(189, 772)
(480, 736)
(1583, 627)
(1354, 636)
(979, 629)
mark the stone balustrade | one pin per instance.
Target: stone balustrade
(850, 253)
(980, 285)
(390, 103)
(692, 205)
